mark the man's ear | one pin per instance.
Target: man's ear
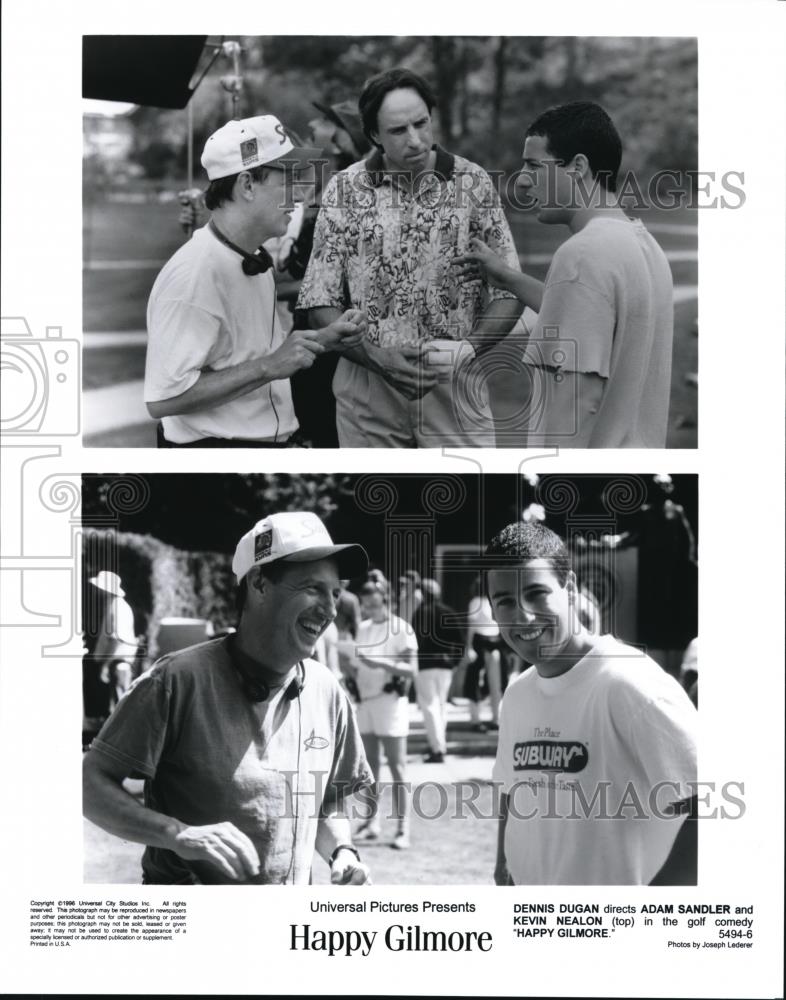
(571, 585)
(579, 165)
(258, 582)
(244, 186)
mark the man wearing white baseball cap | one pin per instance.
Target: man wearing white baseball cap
(218, 360)
(248, 747)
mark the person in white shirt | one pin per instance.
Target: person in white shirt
(218, 360)
(599, 354)
(385, 658)
(596, 758)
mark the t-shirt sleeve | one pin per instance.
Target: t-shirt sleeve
(575, 327)
(502, 771)
(181, 337)
(660, 728)
(135, 733)
(324, 280)
(350, 771)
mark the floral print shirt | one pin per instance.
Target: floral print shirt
(386, 250)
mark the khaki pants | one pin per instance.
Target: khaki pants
(372, 414)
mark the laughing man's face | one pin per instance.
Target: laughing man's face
(292, 613)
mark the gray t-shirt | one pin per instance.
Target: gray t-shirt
(607, 311)
(210, 755)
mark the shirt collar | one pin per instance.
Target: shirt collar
(444, 167)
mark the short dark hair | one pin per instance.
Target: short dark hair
(378, 87)
(220, 190)
(529, 540)
(582, 127)
(273, 571)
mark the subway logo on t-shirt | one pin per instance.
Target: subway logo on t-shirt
(549, 755)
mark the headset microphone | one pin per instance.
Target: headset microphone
(253, 263)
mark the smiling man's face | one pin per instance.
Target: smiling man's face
(536, 614)
(291, 613)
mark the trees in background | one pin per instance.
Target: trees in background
(488, 90)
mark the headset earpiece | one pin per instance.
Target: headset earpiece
(253, 263)
(257, 689)
(256, 263)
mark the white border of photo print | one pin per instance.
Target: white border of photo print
(741, 115)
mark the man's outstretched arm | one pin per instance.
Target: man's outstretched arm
(107, 804)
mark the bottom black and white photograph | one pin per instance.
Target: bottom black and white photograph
(390, 679)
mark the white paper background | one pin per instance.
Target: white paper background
(238, 939)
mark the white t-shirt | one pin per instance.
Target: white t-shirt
(380, 712)
(205, 313)
(392, 639)
(612, 728)
(608, 309)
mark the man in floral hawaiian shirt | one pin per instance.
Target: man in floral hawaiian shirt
(387, 232)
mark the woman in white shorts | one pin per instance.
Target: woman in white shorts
(385, 660)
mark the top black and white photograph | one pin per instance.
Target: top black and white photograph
(391, 242)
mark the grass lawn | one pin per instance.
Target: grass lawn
(109, 365)
(445, 850)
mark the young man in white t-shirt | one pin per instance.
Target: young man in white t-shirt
(599, 353)
(596, 757)
(218, 360)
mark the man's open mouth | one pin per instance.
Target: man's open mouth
(312, 628)
(529, 634)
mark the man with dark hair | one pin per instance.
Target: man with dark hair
(248, 747)
(600, 351)
(596, 757)
(384, 239)
(218, 361)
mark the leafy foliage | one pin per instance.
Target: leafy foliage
(488, 90)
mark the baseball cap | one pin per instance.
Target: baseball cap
(347, 116)
(254, 142)
(295, 536)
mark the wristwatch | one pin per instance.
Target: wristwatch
(343, 847)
